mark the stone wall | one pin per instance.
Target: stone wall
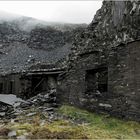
(73, 84)
(124, 79)
(123, 89)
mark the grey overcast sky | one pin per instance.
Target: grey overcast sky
(56, 11)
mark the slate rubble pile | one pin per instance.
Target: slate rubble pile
(40, 99)
(44, 102)
(5, 109)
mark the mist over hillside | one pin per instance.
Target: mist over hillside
(25, 41)
(28, 23)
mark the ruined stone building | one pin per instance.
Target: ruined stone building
(95, 67)
(29, 84)
(103, 73)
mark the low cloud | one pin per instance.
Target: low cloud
(55, 11)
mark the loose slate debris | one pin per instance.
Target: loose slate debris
(10, 99)
(5, 110)
(40, 99)
(45, 101)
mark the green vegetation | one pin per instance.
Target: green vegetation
(72, 123)
(102, 126)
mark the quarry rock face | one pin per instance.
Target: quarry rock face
(103, 68)
(48, 38)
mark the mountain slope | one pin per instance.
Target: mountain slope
(26, 41)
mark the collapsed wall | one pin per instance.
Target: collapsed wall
(103, 68)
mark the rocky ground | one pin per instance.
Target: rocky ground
(40, 117)
(12, 106)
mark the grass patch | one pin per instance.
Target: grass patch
(45, 133)
(72, 123)
(58, 130)
(101, 126)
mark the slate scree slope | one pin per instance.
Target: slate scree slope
(95, 67)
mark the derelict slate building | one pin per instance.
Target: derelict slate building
(31, 83)
(104, 68)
